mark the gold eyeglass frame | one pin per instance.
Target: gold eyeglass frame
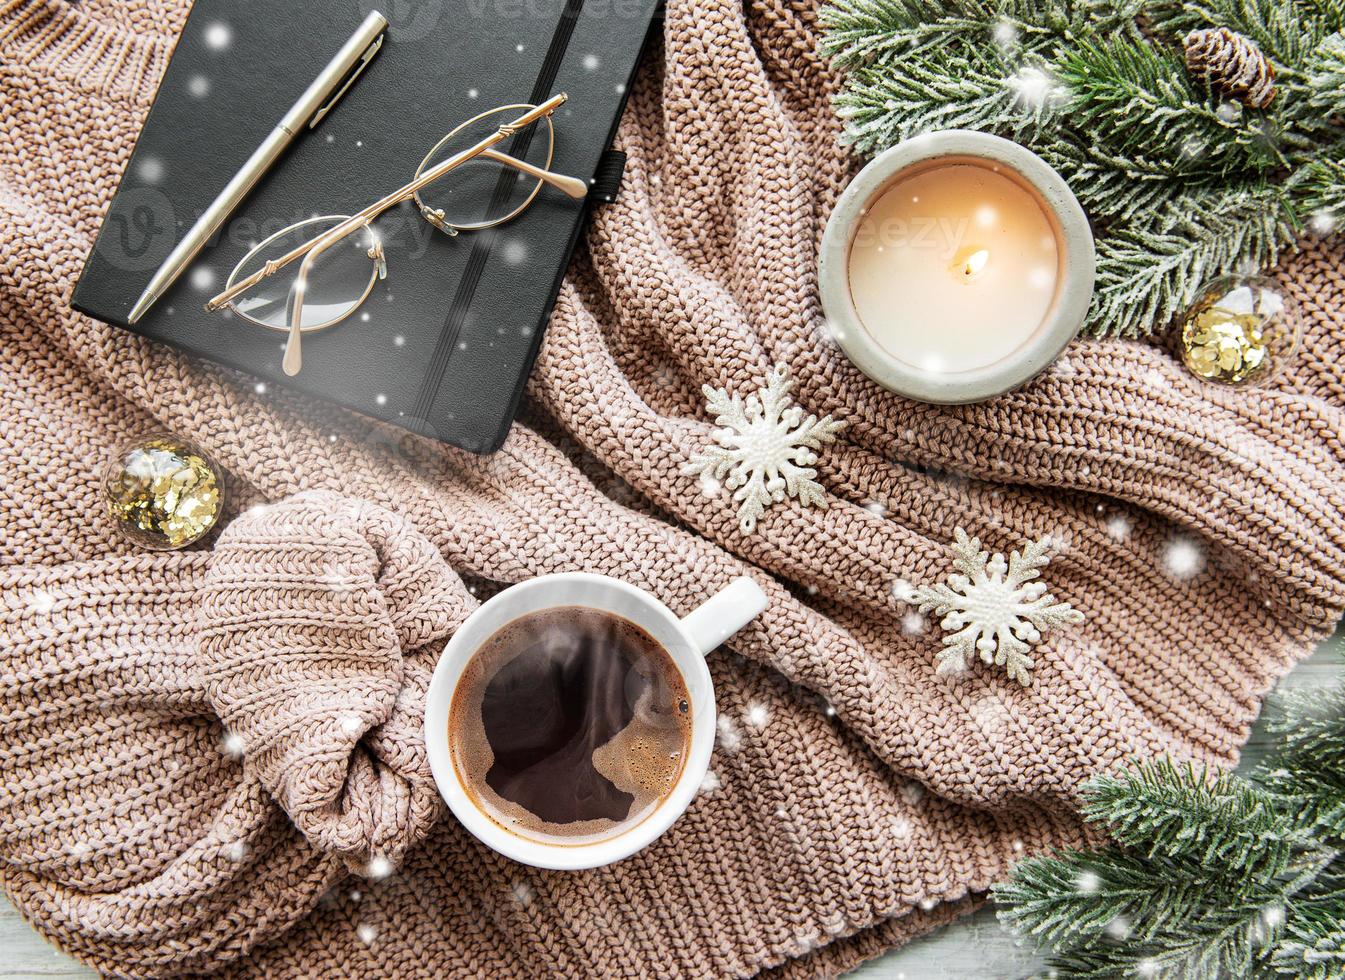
(312, 249)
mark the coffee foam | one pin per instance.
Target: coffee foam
(644, 759)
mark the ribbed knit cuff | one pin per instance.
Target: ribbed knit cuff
(197, 745)
(107, 55)
(127, 830)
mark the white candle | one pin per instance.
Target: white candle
(954, 267)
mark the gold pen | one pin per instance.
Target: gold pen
(319, 98)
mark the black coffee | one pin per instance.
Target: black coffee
(570, 723)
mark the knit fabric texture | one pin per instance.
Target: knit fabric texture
(212, 760)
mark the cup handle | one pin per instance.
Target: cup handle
(724, 613)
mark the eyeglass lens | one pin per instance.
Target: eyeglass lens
(483, 191)
(338, 279)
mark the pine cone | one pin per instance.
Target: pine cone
(1232, 65)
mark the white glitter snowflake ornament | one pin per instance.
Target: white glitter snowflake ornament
(992, 608)
(765, 450)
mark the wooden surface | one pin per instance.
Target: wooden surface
(974, 947)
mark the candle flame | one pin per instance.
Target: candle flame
(972, 264)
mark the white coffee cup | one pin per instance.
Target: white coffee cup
(687, 641)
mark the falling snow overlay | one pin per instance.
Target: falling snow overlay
(1183, 558)
(826, 834)
(993, 608)
(729, 738)
(765, 449)
(1119, 527)
(378, 868)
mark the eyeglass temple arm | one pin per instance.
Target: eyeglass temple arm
(293, 361)
(570, 186)
(536, 113)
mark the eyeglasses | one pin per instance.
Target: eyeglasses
(340, 257)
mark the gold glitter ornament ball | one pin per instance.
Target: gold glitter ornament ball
(163, 493)
(1239, 331)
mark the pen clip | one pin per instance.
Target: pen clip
(365, 58)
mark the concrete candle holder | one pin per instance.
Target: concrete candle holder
(956, 266)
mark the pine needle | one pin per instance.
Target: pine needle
(860, 32)
(1311, 726)
(1323, 191)
(1092, 175)
(1065, 899)
(1313, 947)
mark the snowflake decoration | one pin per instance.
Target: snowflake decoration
(993, 608)
(765, 450)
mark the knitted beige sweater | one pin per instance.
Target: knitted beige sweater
(211, 760)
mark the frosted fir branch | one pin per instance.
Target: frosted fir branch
(1152, 268)
(1229, 942)
(1114, 913)
(1317, 799)
(1138, 97)
(1113, 962)
(1322, 960)
(1112, 15)
(1323, 88)
(881, 108)
(1115, 187)
(1313, 946)
(1092, 910)
(1212, 874)
(1285, 30)
(1206, 871)
(1311, 726)
(985, 90)
(1321, 193)
(1194, 816)
(860, 32)
(1099, 962)
(1309, 762)
(1065, 900)
(1329, 14)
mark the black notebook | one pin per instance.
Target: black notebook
(443, 346)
